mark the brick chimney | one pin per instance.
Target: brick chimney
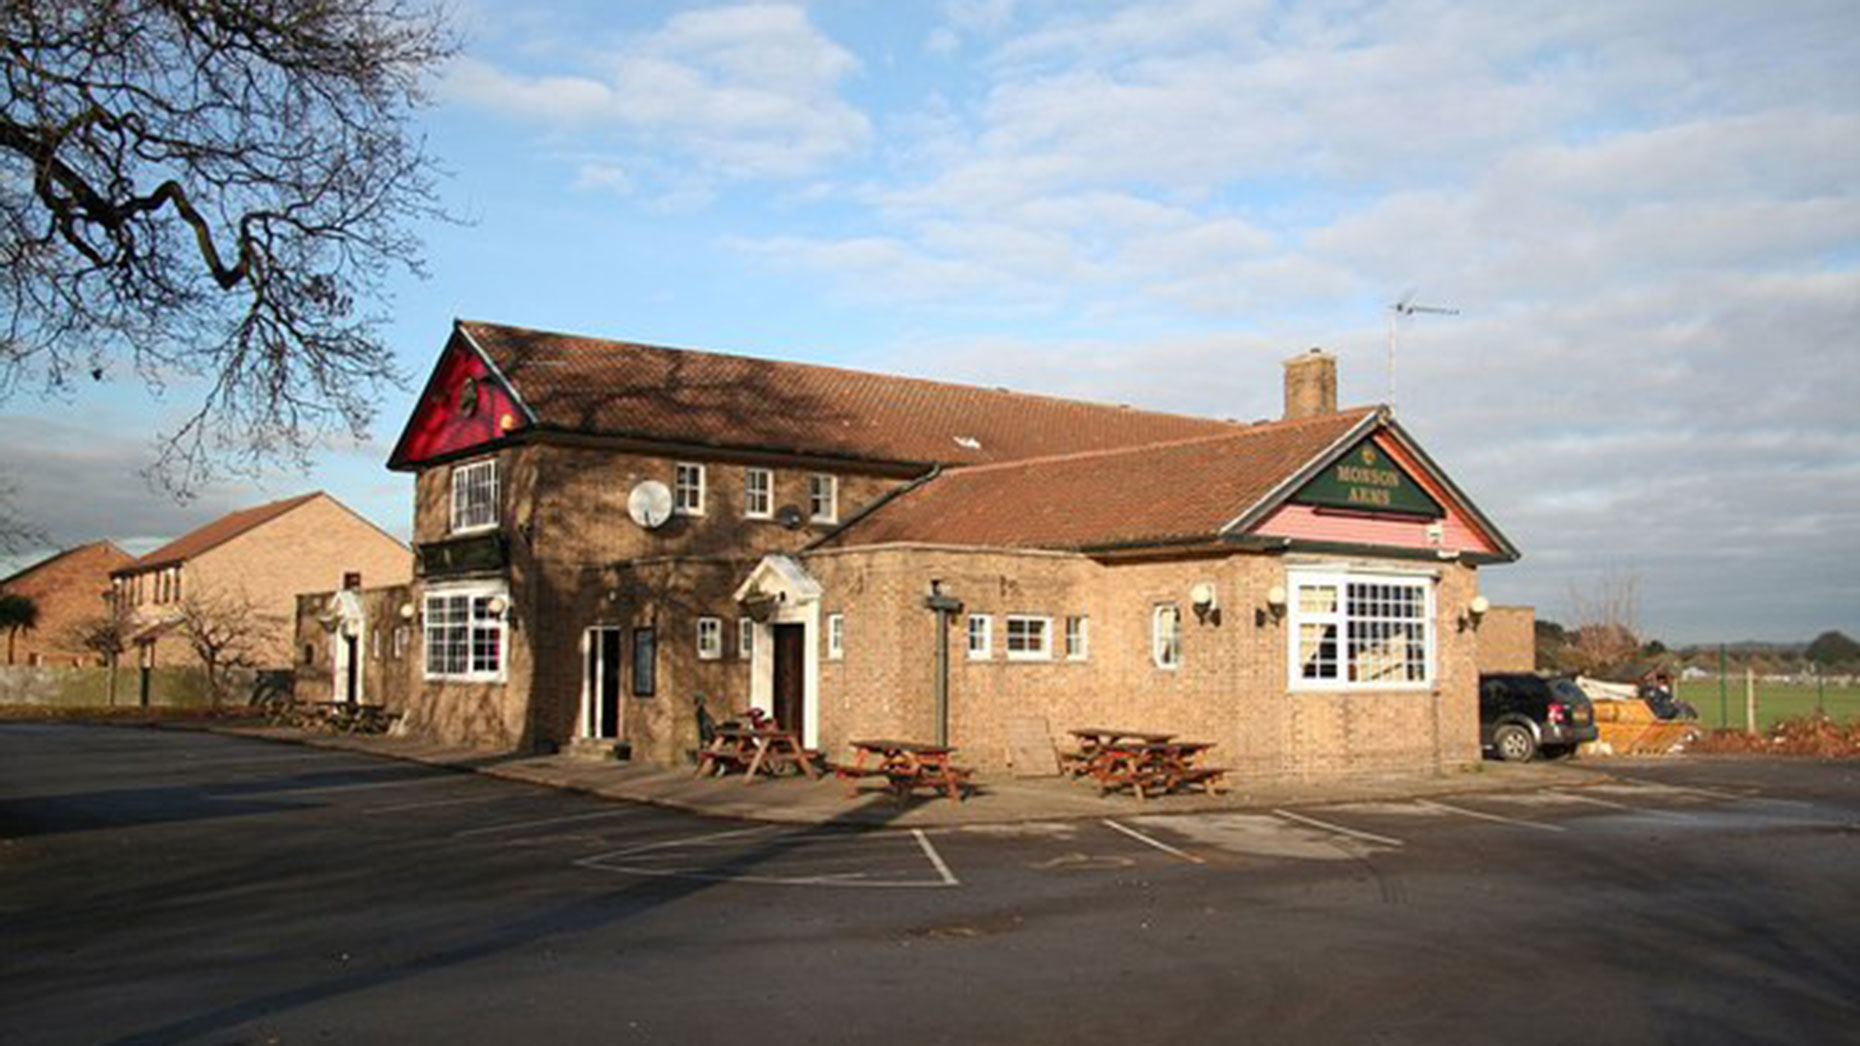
(1310, 385)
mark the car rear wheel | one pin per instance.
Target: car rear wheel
(1514, 743)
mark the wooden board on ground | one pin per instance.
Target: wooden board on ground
(1030, 747)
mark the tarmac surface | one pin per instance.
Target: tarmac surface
(165, 886)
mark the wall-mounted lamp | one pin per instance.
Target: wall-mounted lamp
(406, 611)
(1205, 599)
(1274, 610)
(1475, 613)
(497, 606)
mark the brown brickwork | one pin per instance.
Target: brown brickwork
(1508, 640)
(71, 590)
(386, 643)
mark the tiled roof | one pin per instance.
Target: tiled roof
(115, 555)
(215, 534)
(618, 388)
(1176, 490)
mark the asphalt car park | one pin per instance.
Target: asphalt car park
(173, 887)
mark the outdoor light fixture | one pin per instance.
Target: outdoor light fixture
(1274, 608)
(497, 606)
(1203, 597)
(406, 611)
(1475, 613)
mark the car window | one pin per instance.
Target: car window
(1568, 691)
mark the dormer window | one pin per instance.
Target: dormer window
(474, 496)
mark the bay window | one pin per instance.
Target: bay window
(1363, 631)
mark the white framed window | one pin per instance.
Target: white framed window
(400, 640)
(1166, 635)
(1029, 638)
(688, 489)
(981, 637)
(836, 636)
(1078, 637)
(709, 638)
(745, 638)
(758, 493)
(474, 496)
(1360, 631)
(464, 631)
(823, 497)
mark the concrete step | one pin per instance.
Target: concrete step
(598, 749)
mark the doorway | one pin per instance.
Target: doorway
(346, 667)
(790, 682)
(600, 683)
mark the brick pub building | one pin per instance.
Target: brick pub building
(606, 532)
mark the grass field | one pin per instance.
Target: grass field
(1774, 701)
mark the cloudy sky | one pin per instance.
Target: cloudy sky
(1648, 215)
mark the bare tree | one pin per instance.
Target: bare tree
(225, 629)
(1606, 619)
(217, 190)
(17, 532)
(108, 635)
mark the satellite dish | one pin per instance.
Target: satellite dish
(788, 516)
(650, 504)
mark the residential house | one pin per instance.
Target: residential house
(71, 590)
(252, 564)
(607, 533)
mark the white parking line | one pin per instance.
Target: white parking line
(1483, 816)
(935, 858)
(398, 807)
(1339, 829)
(1592, 801)
(517, 826)
(1157, 843)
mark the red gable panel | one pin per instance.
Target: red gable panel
(445, 421)
(1309, 523)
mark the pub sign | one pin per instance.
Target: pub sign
(1367, 480)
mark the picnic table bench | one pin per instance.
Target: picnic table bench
(1153, 767)
(348, 717)
(757, 750)
(1093, 738)
(906, 766)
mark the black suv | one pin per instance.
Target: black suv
(1521, 715)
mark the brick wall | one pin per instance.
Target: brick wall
(69, 592)
(388, 645)
(1508, 640)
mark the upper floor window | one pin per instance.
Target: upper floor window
(1077, 638)
(709, 638)
(836, 636)
(981, 637)
(1029, 638)
(688, 490)
(474, 495)
(758, 493)
(823, 497)
(1361, 631)
(1166, 635)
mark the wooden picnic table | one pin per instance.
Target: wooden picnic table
(764, 750)
(1093, 738)
(1153, 767)
(906, 766)
(347, 717)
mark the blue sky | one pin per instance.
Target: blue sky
(1647, 215)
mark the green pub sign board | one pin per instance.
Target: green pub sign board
(1367, 480)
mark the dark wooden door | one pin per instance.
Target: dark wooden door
(790, 676)
(608, 714)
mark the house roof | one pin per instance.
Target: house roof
(588, 385)
(120, 558)
(216, 533)
(1183, 489)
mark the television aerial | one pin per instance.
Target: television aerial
(1403, 309)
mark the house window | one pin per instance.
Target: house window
(836, 636)
(465, 634)
(1361, 631)
(1076, 638)
(1166, 635)
(745, 638)
(709, 638)
(758, 493)
(1029, 638)
(823, 497)
(374, 644)
(400, 640)
(645, 662)
(981, 637)
(688, 490)
(309, 654)
(474, 495)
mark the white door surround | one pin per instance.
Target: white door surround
(793, 598)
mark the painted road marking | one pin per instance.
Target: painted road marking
(1483, 816)
(1592, 801)
(398, 807)
(287, 792)
(935, 858)
(1339, 829)
(1157, 843)
(517, 826)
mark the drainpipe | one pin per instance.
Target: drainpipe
(944, 607)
